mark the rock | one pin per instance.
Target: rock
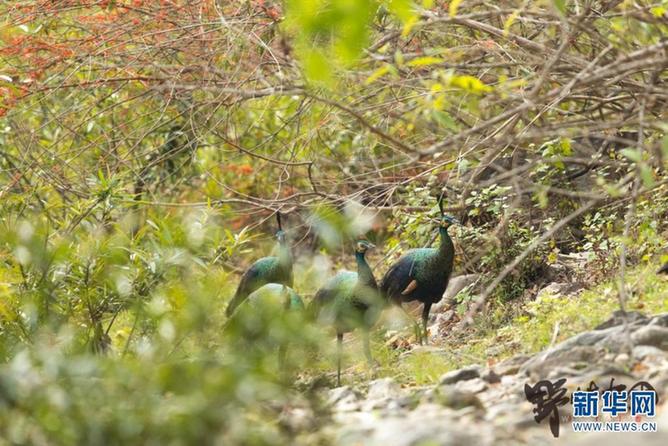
(508, 380)
(455, 285)
(477, 405)
(475, 385)
(563, 355)
(343, 399)
(384, 388)
(297, 419)
(427, 424)
(510, 366)
(460, 375)
(564, 372)
(386, 394)
(559, 289)
(494, 350)
(588, 338)
(601, 374)
(660, 319)
(556, 272)
(632, 317)
(622, 359)
(654, 335)
(575, 260)
(659, 379)
(514, 414)
(449, 396)
(445, 317)
(641, 352)
(490, 376)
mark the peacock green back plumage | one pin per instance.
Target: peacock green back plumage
(430, 268)
(349, 300)
(274, 269)
(422, 274)
(275, 295)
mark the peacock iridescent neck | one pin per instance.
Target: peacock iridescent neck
(364, 273)
(284, 254)
(447, 248)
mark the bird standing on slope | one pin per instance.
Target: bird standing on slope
(422, 274)
(350, 300)
(276, 269)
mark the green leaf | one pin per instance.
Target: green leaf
(565, 145)
(469, 83)
(658, 11)
(631, 154)
(402, 9)
(424, 61)
(445, 120)
(647, 176)
(328, 33)
(377, 74)
(560, 6)
(509, 21)
(317, 66)
(454, 6)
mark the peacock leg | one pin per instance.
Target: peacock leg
(418, 332)
(282, 354)
(425, 320)
(339, 353)
(367, 347)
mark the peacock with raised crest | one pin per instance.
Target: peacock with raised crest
(422, 274)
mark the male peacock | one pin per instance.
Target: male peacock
(266, 270)
(422, 274)
(350, 300)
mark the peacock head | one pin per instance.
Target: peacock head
(280, 236)
(447, 220)
(362, 246)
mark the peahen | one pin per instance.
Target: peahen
(270, 317)
(422, 274)
(275, 269)
(348, 301)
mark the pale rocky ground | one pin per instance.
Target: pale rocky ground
(481, 405)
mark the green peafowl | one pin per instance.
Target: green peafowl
(266, 270)
(422, 274)
(269, 317)
(348, 301)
